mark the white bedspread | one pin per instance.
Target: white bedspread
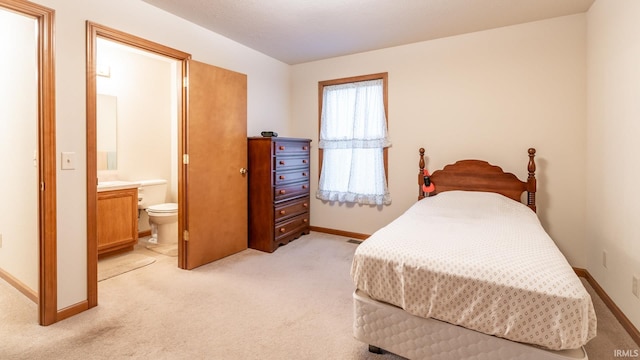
(482, 261)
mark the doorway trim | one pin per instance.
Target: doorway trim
(94, 31)
(47, 243)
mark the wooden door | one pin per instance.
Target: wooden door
(214, 185)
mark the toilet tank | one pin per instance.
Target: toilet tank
(151, 192)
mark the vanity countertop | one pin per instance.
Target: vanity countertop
(117, 185)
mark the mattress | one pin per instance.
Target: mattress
(481, 261)
(401, 333)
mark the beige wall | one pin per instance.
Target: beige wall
(268, 103)
(613, 130)
(145, 90)
(18, 142)
(146, 87)
(489, 95)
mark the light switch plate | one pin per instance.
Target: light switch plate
(68, 161)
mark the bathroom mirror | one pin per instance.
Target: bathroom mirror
(106, 128)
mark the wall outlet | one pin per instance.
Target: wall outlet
(604, 258)
(634, 286)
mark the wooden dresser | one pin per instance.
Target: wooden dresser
(278, 191)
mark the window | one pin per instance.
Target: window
(353, 140)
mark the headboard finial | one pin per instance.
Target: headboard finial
(532, 164)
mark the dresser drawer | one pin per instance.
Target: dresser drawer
(293, 226)
(284, 177)
(290, 162)
(284, 147)
(288, 191)
(291, 208)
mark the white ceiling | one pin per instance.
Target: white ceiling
(298, 31)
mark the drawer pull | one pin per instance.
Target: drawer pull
(282, 212)
(281, 162)
(282, 192)
(304, 186)
(305, 148)
(305, 205)
(281, 147)
(305, 220)
(281, 177)
(304, 174)
(304, 161)
(282, 230)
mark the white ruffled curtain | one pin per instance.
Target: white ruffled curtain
(353, 135)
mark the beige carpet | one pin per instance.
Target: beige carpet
(611, 335)
(292, 304)
(120, 264)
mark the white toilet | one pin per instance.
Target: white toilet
(163, 217)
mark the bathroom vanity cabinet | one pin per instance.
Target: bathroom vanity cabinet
(278, 191)
(117, 220)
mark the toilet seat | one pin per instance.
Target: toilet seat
(167, 208)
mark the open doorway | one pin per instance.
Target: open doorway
(27, 117)
(134, 117)
(211, 156)
(137, 106)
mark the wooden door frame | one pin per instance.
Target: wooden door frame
(47, 267)
(94, 31)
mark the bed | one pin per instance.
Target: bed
(468, 272)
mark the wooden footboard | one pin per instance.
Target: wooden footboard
(478, 175)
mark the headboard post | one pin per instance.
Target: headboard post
(421, 175)
(531, 180)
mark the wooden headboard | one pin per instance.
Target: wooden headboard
(477, 175)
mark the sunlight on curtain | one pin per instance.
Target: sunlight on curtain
(353, 136)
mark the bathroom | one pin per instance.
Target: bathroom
(137, 112)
